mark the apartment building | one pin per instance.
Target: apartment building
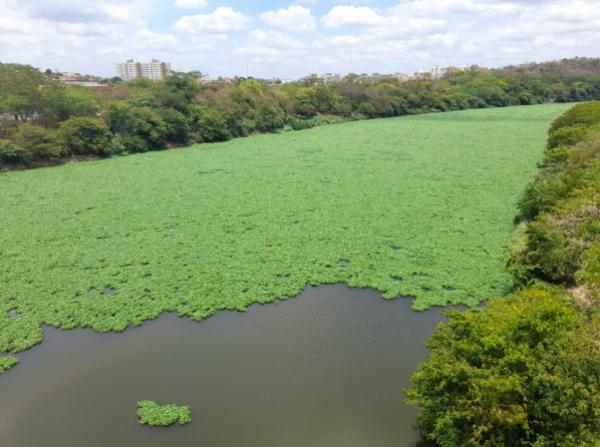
(155, 70)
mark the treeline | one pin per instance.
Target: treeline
(45, 122)
(525, 370)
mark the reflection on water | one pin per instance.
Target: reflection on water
(325, 369)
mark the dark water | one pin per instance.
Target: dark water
(325, 369)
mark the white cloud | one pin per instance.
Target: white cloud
(436, 7)
(79, 35)
(191, 4)
(275, 38)
(155, 38)
(351, 15)
(346, 40)
(223, 20)
(121, 14)
(294, 18)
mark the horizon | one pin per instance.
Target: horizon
(342, 75)
(289, 40)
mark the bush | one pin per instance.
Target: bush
(587, 114)
(143, 123)
(567, 136)
(177, 127)
(520, 372)
(208, 125)
(60, 102)
(86, 135)
(40, 143)
(269, 117)
(541, 194)
(133, 144)
(590, 271)
(13, 153)
(300, 123)
(554, 253)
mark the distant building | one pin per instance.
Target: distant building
(155, 70)
(69, 78)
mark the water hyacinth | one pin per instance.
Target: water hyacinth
(419, 206)
(155, 415)
(7, 362)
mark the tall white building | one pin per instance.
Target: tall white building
(155, 70)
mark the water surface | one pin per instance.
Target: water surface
(325, 369)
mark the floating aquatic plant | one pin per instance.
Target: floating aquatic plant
(7, 362)
(155, 415)
(110, 244)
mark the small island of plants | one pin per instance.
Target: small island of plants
(155, 415)
(7, 362)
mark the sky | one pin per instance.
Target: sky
(278, 38)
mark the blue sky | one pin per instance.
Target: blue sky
(290, 39)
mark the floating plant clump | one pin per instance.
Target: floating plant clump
(155, 415)
(7, 362)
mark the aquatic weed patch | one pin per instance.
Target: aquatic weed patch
(155, 415)
(419, 206)
(7, 362)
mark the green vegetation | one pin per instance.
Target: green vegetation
(150, 413)
(522, 372)
(417, 206)
(147, 116)
(525, 370)
(563, 206)
(7, 362)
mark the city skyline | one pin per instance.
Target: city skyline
(289, 40)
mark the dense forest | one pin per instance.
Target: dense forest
(44, 122)
(525, 370)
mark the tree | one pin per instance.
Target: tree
(520, 372)
(40, 143)
(10, 152)
(60, 102)
(86, 135)
(20, 91)
(177, 126)
(143, 123)
(177, 91)
(207, 124)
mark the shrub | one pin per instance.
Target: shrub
(587, 114)
(133, 144)
(150, 413)
(269, 117)
(567, 136)
(590, 273)
(207, 124)
(13, 153)
(60, 102)
(300, 123)
(554, 253)
(541, 194)
(86, 135)
(143, 123)
(177, 127)
(516, 373)
(40, 143)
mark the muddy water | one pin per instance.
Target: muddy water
(325, 369)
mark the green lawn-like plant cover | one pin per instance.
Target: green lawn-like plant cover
(416, 206)
(155, 415)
